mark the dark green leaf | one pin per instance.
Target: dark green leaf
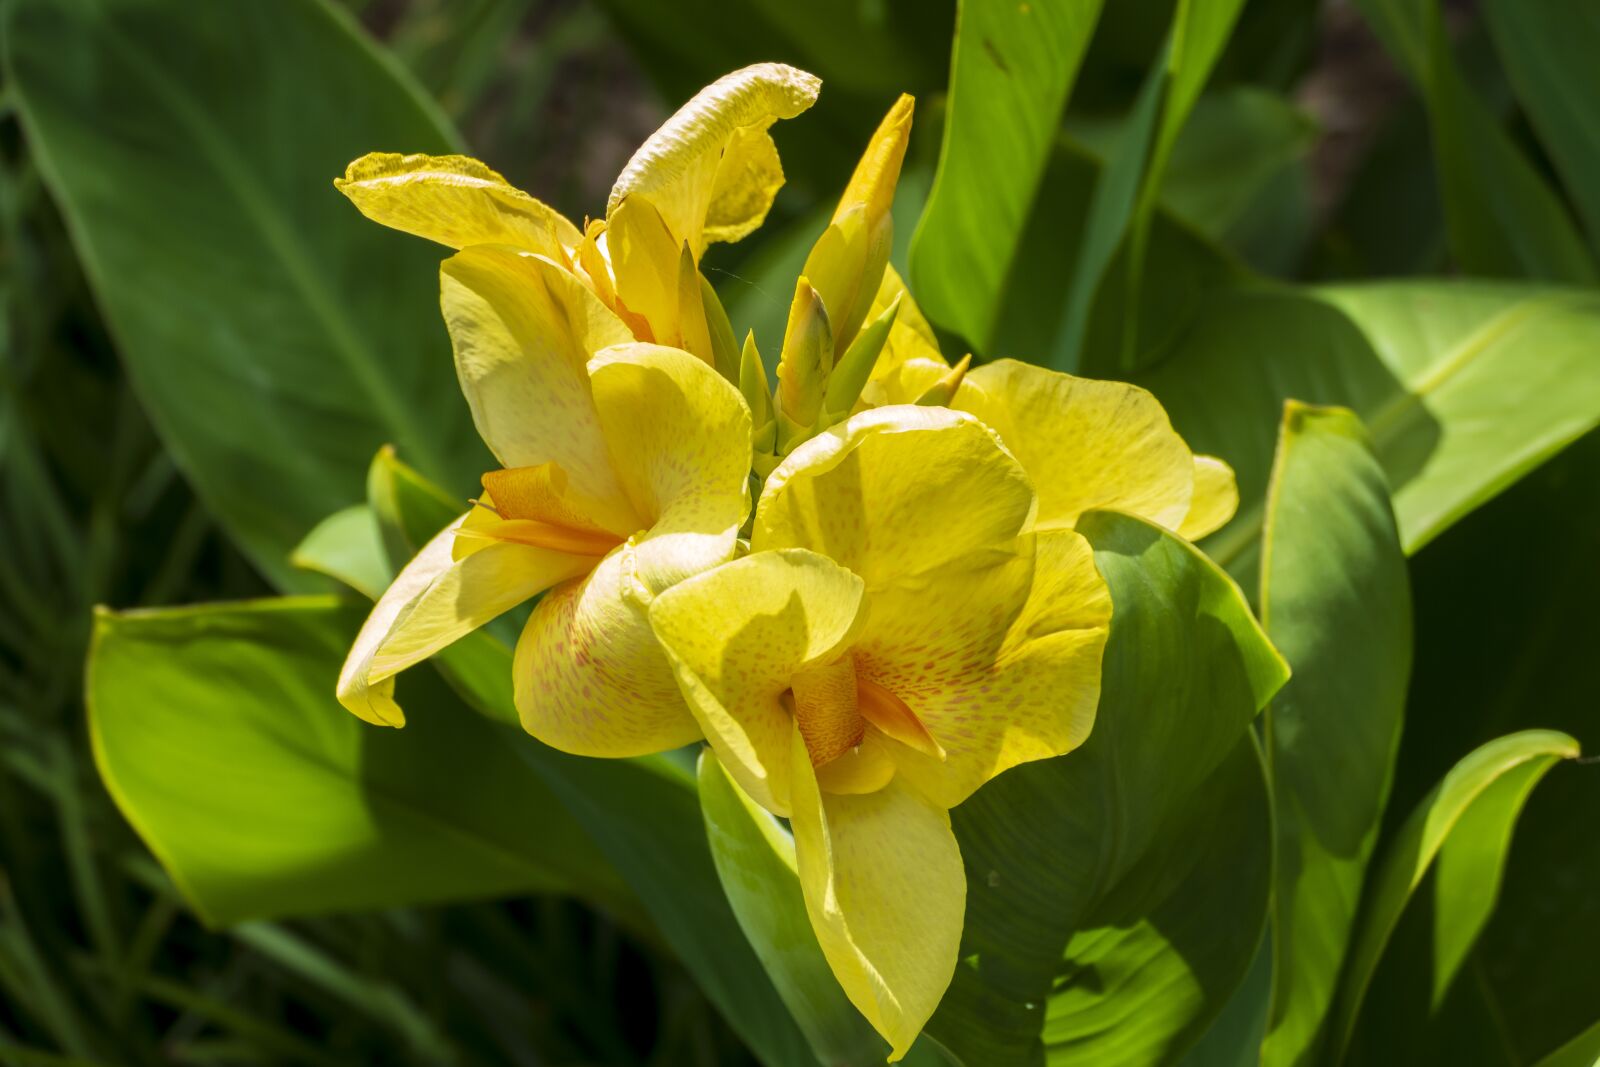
(1336, 602)
(275, 337)
(1137, 867)
(1466, 824)
(1503, 218)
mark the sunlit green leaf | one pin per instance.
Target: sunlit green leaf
(1010, 73)
(216, 730)
(347, 547)
(1464, 387)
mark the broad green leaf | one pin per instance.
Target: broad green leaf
(1465, 824)
(1336, 602)
(275, 337)
(755, 860)
(1502, 217)
(1010, 73)
(1125, 197)
(216, 731)
(347, 547)
(1548, 48)
(1581, 1051)
(1185, 272)
(1135, 869)
(1464, 387)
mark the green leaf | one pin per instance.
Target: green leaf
(1136, 869)
(1502, 217)
(1464, 387)
(347, 547)
(1336, 602)
(216, 731)
(1125, 197)
(1548, 48)
(1010, 73)
(1581, 1051)
(1465, 823)
(1479, 676)
(756, 864)
(275, 337)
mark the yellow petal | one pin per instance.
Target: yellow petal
(736, 636)
(705, 170)
(999, 662)
(883, 884)
(435, 600)
(1215, 499)
(679, 438)
(456, 201)
(894, 492)
(910, 338)
(644, 260)
(588, 675)
(523, 330)
(1086, 444)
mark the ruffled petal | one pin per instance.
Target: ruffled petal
(705, 170)
(435, 600)
(886, 892)
(456, 201)
(1215, 499)
(589, 676)
(679, 439)
(1000, 662)
(896, 491)
(523, 330)
(736, 636)
(1085, 443)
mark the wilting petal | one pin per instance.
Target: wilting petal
(896, 491)
(883, 883)
(523, 330)
(748, 178)
(686, 168)
(736, 636)
(434, 601)
(1086, 443)
(679, 439)
(588, 675)
(456, 201)
(1001, 663)
(1215, 499)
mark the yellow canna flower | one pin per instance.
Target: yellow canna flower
(1085, 443)
(898, 635)
(625, 470)
(708, 174)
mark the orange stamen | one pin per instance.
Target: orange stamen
(891, 715)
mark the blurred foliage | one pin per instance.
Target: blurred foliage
(1187, 177)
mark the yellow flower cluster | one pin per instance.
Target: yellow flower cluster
(911, 612)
